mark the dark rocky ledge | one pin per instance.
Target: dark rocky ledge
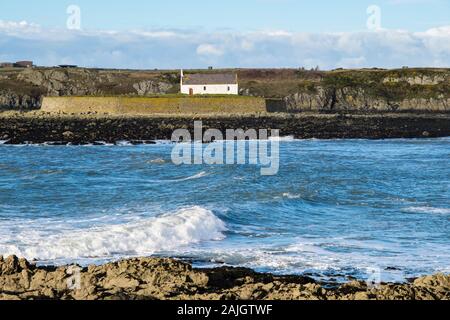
(166, 279)
(35, 127)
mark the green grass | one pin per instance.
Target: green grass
(165, 96)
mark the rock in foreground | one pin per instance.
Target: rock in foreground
(168, 279)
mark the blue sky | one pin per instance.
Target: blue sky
(245, 33)
(241, 15)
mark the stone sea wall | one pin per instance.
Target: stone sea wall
(153, 105)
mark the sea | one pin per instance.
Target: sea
(336, 210)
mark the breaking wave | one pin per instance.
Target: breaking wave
(142, 237)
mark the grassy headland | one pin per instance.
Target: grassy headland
(362, 90)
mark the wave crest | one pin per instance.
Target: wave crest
(142, 237)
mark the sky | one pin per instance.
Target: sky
(148, 34)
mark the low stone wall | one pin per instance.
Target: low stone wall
(153, 105)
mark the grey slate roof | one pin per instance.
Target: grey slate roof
(210, 78)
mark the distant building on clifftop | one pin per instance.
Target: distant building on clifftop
(209, 83)
(23, 64)
(6, 65)
(18, 64)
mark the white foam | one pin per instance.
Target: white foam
(123, 143)
(320, 256)
(142, 237)
(157, 161)
(291, 196)
(3, 141)
(164, 142)
(104, 143)
(425, 209)
(283, 139)
(193, 177)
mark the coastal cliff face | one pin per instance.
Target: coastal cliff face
(365, 91)
(22, 101)
(362, 91)
(167, 279)
(357, 99)
(24, 88)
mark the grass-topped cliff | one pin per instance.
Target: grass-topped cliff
(299, 90)
(358, 90)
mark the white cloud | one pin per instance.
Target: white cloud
(355, 62)
(191, 49)
(209, 50)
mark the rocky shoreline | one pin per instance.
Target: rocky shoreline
(169, 279)
(38, 127)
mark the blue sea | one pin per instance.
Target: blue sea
(337, 209)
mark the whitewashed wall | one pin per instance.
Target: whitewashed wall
(211, 89)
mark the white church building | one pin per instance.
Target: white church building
(209, 83)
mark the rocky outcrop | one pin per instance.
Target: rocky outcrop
(359, 91)
(10, 99)
(357, 99)
(320, 100)
(168, 279)
(148, 87)
(24, 89)
(61, 82)
(424, 80)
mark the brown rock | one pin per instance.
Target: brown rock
(362, 296)
(149, 278)
(122, 283)
(68, 135)
(9, 266)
